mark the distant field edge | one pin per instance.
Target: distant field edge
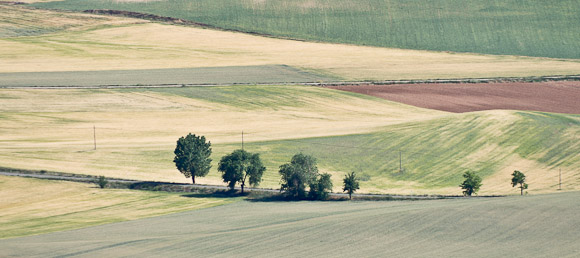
(221, 76)
(172, 77)
(176, 21)
(534, 28)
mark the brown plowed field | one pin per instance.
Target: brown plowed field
(556, 97)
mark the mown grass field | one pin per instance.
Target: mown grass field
(529, 226)
(33, 40)
(512, 27)
(137, 130)
(172, 76)
(36, 206)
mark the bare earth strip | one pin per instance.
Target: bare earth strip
(530, 226)
(556, 97)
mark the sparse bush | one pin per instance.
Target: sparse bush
(364, 177)
(102, 181)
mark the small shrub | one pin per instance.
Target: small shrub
(102, 181)
(364, 177)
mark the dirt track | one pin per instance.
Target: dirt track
(556, 97)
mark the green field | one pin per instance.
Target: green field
(36, 206)
(175, 76)
(512, 27)
(434, 154)
(137, 130)
(394, 148)
(37, 41)
(530, 226)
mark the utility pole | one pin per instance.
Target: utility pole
(95, 136)
(242, 140)
(560, 183)
(400, 162)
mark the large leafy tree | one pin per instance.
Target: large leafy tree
(319, 189)
(519, 178)
(471, 184)
(192, 156)
(240, 166)
(351, 184)
(301, 171)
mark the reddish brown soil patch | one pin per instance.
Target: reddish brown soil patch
(555, 97)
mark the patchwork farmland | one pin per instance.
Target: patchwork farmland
(108, 95)
(512, 27)
(112, 43)
(137, 130)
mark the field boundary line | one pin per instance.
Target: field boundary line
(325, 84)
(119, 183)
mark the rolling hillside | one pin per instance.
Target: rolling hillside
(32, 206)
(512, 27)
(137, 130)
(33, 40)
(531, 226)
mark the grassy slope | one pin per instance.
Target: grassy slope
(173, 76)
(512, 27)
(137, 129)
(531, 226)
(33, 206)
(98, 45)
(16, 21)
(435, 153)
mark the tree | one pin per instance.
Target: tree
(320, 188)
(351, 184)
(102, 181)
(192, 156)
(471, 184)
(300, 171)
(519, 178)
(239, 166)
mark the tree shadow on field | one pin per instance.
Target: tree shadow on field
(216, 194)
(281, 197)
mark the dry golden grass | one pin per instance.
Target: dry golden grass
(137, 129)
(22, 21)
(165, 46)
(35, 206)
